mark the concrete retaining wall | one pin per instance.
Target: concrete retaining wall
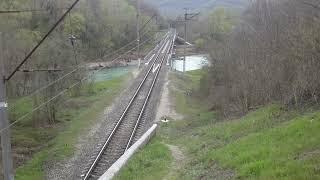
(122, 161)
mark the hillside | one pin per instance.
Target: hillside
(175, 7)
(271, 142)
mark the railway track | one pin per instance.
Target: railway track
(129, 126)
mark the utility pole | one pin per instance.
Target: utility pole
(187, 17)
(7, 162)
(138, 31)
(185, 38)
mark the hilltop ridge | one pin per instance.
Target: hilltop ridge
(175, 7)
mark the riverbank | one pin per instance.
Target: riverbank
(113, 64)
(269, 143)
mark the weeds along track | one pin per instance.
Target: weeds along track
(130, 125)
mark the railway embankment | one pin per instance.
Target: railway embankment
(271, 142)
(57, 157)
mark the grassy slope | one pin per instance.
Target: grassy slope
(58, 142)
(269, 143)
(150, 163)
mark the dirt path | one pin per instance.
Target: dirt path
(178, 161)
(166, 108)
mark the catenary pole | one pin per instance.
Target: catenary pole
(138, 31)
(7, 161)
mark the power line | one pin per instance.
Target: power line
(125, 46)
(68, 74)
(316, 6)
(5, 137)
(141, 29)
(64, 91)
(27, 10)
(144, 25)
(133, 48)
(138, 29)
(40, 70)
(187, 17)
(50, 84)
(42, 40)
(132, 42)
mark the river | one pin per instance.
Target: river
(193, 62)
(111, 73)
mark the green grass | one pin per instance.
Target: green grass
(152, 162)
(21, 107)
(269, 143)
(265, 144)
(52, 144)
(276, 152)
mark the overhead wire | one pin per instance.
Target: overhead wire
(66, 75)
(62, 77)
(63, 91)
(145, 24)
(42, 40)
(132, 42)
(27, 10)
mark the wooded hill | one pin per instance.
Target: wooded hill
(97, 27)
(173, 8)
(269, 54)
(49, 91)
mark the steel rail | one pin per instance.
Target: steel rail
(122, 116)
(147, 98)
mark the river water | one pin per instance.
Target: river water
(111, 73)
(193, 62)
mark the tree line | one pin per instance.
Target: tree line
(94, 29)
(268, 54)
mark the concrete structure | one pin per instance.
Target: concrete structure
(122, 161)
